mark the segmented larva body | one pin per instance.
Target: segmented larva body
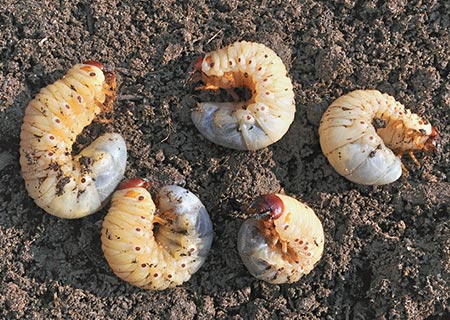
(252, 124)
(364, 133)
(159, 258)
(282, 241)
(64, 185)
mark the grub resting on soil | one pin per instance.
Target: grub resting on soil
(364, 133)
(245, 125)
(66, 186)
(282, 240)
(161, 257)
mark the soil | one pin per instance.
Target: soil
(387, 250)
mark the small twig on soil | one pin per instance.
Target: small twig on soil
(171, 129)
(379, 231)
(42, 41)
(214, 36)
(122, 70)
(131, 97)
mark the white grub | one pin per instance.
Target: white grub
(64, 185)
(282, 240)
(245, 125)
(364, 133)
(162, 257)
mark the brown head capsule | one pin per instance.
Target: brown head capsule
(269, 205)
(198, 64)
(134, 183)
(284, 242)
(95, 64)
(432, 144)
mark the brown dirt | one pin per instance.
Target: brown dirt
(387, 248)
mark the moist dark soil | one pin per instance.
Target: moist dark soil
(387, 247)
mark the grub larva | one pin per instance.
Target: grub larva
(364, 133)
(155, 246)
(257, 122)
(282, 240)
(62, 184)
